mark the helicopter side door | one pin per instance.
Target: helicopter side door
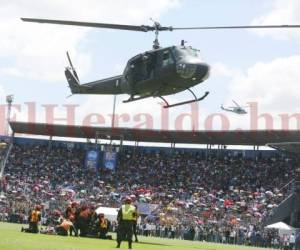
(143, 67)
(166, 62)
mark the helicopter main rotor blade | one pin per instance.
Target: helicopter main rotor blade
(143, 28)
(236, 103)
(155, 27)
(238, 27)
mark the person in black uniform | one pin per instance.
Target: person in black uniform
(136, 216)
(125, 218)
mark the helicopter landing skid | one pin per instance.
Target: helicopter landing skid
(132, 99)
(185, 102)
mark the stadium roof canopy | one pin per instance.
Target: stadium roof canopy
(244, 137)
(290, 147)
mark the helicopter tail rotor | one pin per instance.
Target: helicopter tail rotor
(71, 67)
(72, 81)
(72, 77)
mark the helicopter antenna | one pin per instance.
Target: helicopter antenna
(183, 42)
(156, 26)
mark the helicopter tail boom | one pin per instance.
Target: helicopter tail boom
(111, 86)
(108, 86)
(226, 109)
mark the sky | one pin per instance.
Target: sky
(258, 69)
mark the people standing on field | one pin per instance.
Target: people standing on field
(126, 217)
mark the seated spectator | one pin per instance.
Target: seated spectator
(104, 225)
(34, 219)
(64, 227)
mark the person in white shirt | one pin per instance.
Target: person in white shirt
(232, 236)
(292, 241)
(286, 241)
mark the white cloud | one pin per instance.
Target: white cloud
(283, 12)
(2, 92)
(36, 51)
(273, 85)
(219, 69)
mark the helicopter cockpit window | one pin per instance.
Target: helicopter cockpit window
(167, 58)
(187, 51)
(193, 52)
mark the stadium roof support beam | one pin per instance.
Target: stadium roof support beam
(136, 144)
(97, 139)
(220, 151)
(50, 142)
(208, 151)
(256, 149)
(121, 143)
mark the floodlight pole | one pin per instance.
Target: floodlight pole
(114, 109)
(113, 116)
(114, 112)
(9, 100)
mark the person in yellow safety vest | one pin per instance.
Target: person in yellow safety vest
(64, 227)
(34, 219)
(126, 217)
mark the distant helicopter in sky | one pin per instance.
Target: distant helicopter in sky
(158, 72)
(236, 109)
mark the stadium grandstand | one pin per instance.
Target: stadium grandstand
(217, 195)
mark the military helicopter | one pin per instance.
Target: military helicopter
(236, 109)
(158, 72)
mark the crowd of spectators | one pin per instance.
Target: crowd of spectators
(220, 199)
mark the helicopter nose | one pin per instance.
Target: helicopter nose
(202, 71)
(199, 71)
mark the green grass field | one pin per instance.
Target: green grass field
(12, 239)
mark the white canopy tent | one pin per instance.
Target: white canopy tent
(109, 212)
(282, 228)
